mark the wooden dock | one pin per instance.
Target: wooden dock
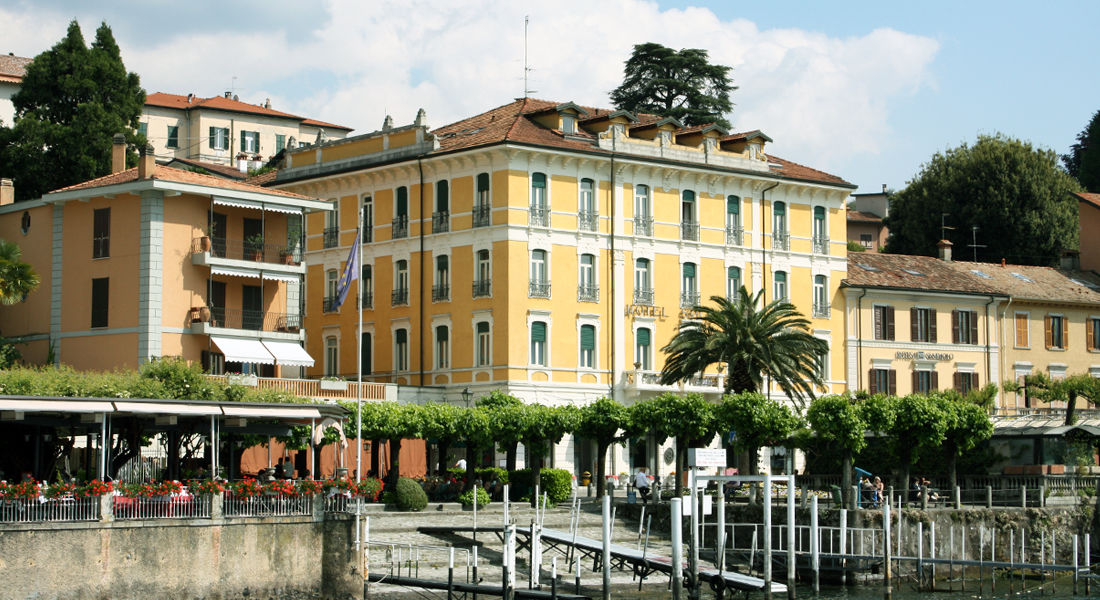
(463, 587)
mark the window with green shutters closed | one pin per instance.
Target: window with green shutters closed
(173, 137)
(588, 346)
(280, 142)
(538, 343)
(642, 343)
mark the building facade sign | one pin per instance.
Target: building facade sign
(645, 310)
(933, 356)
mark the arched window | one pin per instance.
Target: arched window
(442, 347)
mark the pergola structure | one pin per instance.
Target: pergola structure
(100, 419)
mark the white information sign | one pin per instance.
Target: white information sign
(706, 457)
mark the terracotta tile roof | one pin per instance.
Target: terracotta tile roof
(180, 102)
(215, 169)
(262, 178)
(1093, 199)
(13, 66)
(508, 123)
(863, 217)
(745, 135)
(1044, 284)
(177, 176)
(903, 271)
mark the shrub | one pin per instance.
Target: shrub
(488, 474)
(408, 495)
(467, 497)
(557, 483)
(370, 488)
(456, 473)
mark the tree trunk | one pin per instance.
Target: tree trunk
(846, 479)
(601, 467)
(510, 457)
(536, 470)
(471, 459)
(173, 455)
(952, 470)
(1071, 407)
(681, 457)
(754, 461)
(376, 458)
(443, 464)
(395, 463)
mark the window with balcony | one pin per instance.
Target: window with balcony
(922, 325)
(400, 224)
(401, 350)
(368, 220)
(587, 217)
(588, 347)
(332, 226)
(250, 141)
(332, 356)
(925, 381)
(332, 283)
(966, 382)
(781, 286)
(101, 294)
(173, 137)
(441, 291)
(964, 327)
(820, 231)
(884, 322)
(219, 138)
(482, 286)
(882, 381)
(643, 211)
(587, 290)
(482, 205)
(368, 286)
(643, 356)
(821, 298)
(734, 231)
(400, 294)
(540, 282)
(483, 352)
(252, 307)
(540, 208)
(643, 282)
(780, 237)
(689, 286)
(441, 218)
(733, 283)
(1056, 332)
(442, 347)
(538, 343)
(101, 233)
(689, 225)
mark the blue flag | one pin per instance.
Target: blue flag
(350, 274)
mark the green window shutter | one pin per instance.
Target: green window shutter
(483, 327)
(401, 336)
(733, 205)
(402, 201)
(442, 196)
(779, 208)
(538, 180)
(689, 270)
(588, 337)
(643, 337)
(538, 331)
(244, 136)
(689, 196)
(483, 182)
(280, 142)
(441, 333)
(211, 138)
(819, 213)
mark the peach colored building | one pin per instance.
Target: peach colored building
(1088, 211)
(154, 261)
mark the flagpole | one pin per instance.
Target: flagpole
(359, 380)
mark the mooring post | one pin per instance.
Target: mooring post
(577, 576)
(1023, 496)
(854, 504)
(605, 562)
(720, 539)
(958, 498)
(920, 555)
(951, 557)
(989, 496)
(767, 537)
(473, 552)
(534, 579)
(641, 522)
(677, 549)
(962, 553)
(693, 538)
(924, 497)
(932, 551)
(992, 559)
(1075, 567)
(815, 545)
(451, 574)
(886, 591)
(981, 558)
(506, 504)
(1088, 560)
(790, 537)
(475, 512)
(509, 563)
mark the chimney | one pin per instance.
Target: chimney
(945, 250)
(190, 97)
(147, 163)
(267, 103)
(228, 94)
(7, 192)
(1071, 260)
(118, 153)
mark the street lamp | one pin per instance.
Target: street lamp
(466, 395)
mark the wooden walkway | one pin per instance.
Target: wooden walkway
(463, 587)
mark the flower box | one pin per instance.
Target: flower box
(249, 380)
(337, 385)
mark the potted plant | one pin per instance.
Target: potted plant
(200, 314)
(334, 384)
(254, 246)
(287, 255)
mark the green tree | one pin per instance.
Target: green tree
(546, 425)
(603, 421)
(1067, 389)
(508, 417)
(689, 418)
(838, 421)
(966, 425)
(1083, 160)
(1016, 195)
(920, 425)
(392, 422)
(474, 427)
(17, 278)
(755, 421)
(675, 83)
(440, 423)
(72, 101)
(751, 342)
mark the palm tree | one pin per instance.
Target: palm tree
(17, 278)
(751, 342)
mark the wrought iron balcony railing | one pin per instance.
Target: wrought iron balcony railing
(587, 220)
(643, 226)
(643, 296)
(821, 245)
(441, 293)
(588, 293)
(255, 320)
(251, 250)
(482, 289)
(400, 227)
(539, 216)
(781, 241)
(821, 310)
(689, 231)
(482, 215)
(538, 289)
(331, 237)
(734, 235)
(399, 297)
(689, 299)
(441, 222)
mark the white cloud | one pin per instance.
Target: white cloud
(823, 99)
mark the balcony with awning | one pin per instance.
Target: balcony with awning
(262, 352)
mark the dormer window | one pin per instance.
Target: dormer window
(568, 124)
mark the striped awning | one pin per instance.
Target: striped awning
(245, 351)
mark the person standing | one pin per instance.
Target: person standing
(641, 483)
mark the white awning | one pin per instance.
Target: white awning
(234, 272)
(66, 405)
(168, 408)
(277, 276)
(289, 354)
(291, 210)
(245, 351)
(291, 411)
(237, 203)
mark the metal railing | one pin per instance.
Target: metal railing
(821, 310)
(643, 296)
(821, 245)
(255, 320)
(539, 216)
(339, 503)
(781, 241)
(64, 508)
(287, 254)
(400, 227)
(399, 297)
(368, 234)
(330, 304)
(689, 231)
(101, 246)
(482, 215)
(331, 237)
(588, 293)
(267, 505)
(734, 234)
(441, 292)
(643, 226)
(176, 506)
(689, 299)
(311, 388)
(538, 289)
(587, 220)
(482, 289)
(368, 300)
(441, 221)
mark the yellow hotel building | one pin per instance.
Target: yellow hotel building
(550, 250)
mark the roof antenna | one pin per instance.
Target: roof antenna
(944, 227)
(526, 69)
(975, 245)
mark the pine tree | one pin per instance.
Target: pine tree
(1083, 160)
(675, 83)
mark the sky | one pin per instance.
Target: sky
(868, 91)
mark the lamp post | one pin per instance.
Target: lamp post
(466, 395)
